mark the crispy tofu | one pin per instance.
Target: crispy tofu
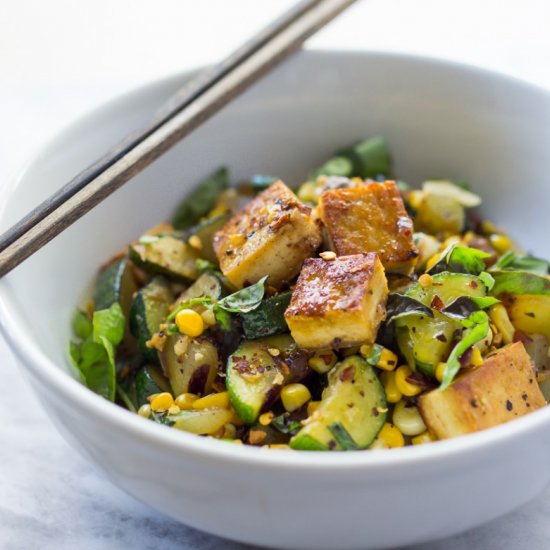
(338, 303)
(272, 235)
(503, 388)
(370, 218)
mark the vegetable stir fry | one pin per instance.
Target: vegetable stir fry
(355, 313)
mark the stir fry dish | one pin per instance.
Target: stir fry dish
(354, 313)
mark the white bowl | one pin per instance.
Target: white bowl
(441, 119)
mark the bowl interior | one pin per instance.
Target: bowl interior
(441, 120)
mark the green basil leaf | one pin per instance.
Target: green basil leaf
(488, 280)
(187, 304)
(201, 200)
(223, 318)
(512, 261)
(460, 259)
(519, 282)
(81, 325)
(244, 300)
(477, 325)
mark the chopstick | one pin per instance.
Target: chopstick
(192, 105)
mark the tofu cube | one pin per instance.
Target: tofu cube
(338, 303)
(503, 388)
(370, 218)
(272, 235)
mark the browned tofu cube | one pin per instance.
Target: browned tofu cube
(370, 218)
(272, 235)
(338, 303)
(502, 389)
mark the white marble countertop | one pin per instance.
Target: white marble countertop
(59, 59)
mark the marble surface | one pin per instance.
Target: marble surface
(52, 68)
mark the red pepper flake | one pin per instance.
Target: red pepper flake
(437, 303)
(347, 374)
(473, 284)
(473, 403)
(520, 336)
(509, 405)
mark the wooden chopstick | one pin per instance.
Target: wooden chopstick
(194, 103)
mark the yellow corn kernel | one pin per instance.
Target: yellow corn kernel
(174, 409)
(312, 406)
(162, 401)
(393, 395)
(407, 419)
(499, 316)
(294, 396)
(387, 361)
(195, 242)
(322, 361)
(416, 198)
(424, 437)
(425, 280)
(214, 400)
(237, 239)
(488, 227)
(501, 243)
(307, 193)
(190, 323)
(185, 401)
(403, 385)
(266, 418)
(476, 358)
(432, 261)
(391, 436)
(440, 371)
(145, 410)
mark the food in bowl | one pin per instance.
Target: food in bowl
(356, 313)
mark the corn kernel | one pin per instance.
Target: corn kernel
(416, 198)
(488, 227)
(432, 261)
(322, 361)
(501, 243)
(328, 255)
(294, 396)
(387, 361)
(407, 419)
(476, 358)
(499, 316)
(393, 395)
(440, 371)
(162, 401)
(312, 406)
(425, 280)
(307, 193)
(214, 400)
(195, 242)
(237, 239)
(190, 323)
(266, 418)
(145, 410)
(403, 385)
(391, 436)
(425, 437)
(185, 401)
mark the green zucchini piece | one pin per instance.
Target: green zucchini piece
(201, 421)
(166, 255)
(201, 200)
(192, 371)
(148, 310)
(255, 377)
(115, 284)
(208, 284)
(351, 412)
(425, 341)
(205, 232)
(268, 318)
(149, 380)
(448, 286)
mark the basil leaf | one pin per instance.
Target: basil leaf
(205, 265)
(81, 325)
(464, 306)
(373, 357)
(519, 282)
(343, 437)
(460, 259)
(223, 317)
(201, 200)
(399, 305)
(108, 325)
(283, 424)
(512, 261)
(488, 280)
(244, 300)
(477, 325)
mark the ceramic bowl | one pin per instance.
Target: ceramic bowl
(441, 119)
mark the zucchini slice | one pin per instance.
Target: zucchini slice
(208, 284)
(257, 370)
(148, 310)
(115, 284)
(268, 318)
(201, 421)
(192, 371)
(205, 232)
(149, 380)
(448, 287)
(351, 412)
(167, 255)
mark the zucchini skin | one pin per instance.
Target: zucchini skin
(115, 284)
(268, 318)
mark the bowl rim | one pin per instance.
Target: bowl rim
(71, 391)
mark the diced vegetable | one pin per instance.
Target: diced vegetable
(268, 318)
(115, 284)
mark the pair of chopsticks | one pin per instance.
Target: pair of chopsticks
(192, 105)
